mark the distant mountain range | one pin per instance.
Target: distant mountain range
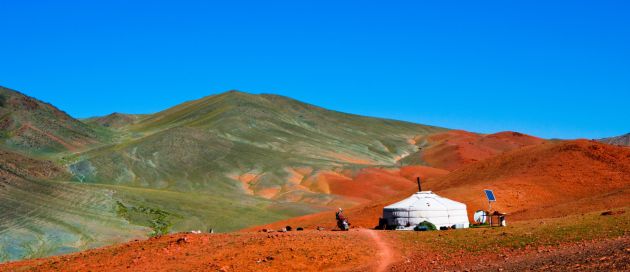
(619, 140)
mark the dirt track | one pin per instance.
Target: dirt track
(385, 252)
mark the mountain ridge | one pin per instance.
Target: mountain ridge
(31, 126)
(231, 161)
(226, 162)
(617, 140)
(257, 124)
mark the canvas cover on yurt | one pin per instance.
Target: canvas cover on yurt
(426, 206)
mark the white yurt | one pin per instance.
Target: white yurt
(425, 206)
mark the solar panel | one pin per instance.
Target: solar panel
(490, 195)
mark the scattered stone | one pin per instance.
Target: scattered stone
(288, 228)
(299, 229)
(320, 228)
(606, 213)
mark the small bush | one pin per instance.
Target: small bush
(122, 210)
(158, 220)
(425, 225)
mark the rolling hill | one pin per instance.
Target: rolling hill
(551, 179)
(115, 120)
(32, 126)
(266, 146)
(235, 160)
(453, 149)
(40, 216)
(224, 162)
(547, 180)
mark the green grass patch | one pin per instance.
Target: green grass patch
(160, 221)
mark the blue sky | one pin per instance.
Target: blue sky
(558, 69)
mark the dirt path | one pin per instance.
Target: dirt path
(385, 252)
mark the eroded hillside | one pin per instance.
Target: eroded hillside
(32, 126)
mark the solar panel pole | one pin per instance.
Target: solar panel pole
(491, 198)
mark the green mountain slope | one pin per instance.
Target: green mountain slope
(224, 162)
(115, 120)
(40, 217)
(32, 126)
(243, 143)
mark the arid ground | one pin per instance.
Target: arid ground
(86, 195)
(589, 242)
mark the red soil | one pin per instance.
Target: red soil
(361, 216)
(385, 252)
(546, 180)
(395, 185)
(291, 251)
(450, 150)
(610, 254)
(453, 149)
(15, 165)
(355, 250)
(373, 184)
(538, 181)
(28, 128)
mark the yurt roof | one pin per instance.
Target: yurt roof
(426, 200)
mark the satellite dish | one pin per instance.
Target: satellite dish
(480, 217)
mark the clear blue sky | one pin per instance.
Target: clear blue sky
(558, 69)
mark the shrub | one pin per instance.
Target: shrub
(425, 225)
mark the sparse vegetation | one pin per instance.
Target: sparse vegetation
(195, 165)
(209, 141)
(425, 225)
(122, 210)
(158, 220)
(531, 233)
